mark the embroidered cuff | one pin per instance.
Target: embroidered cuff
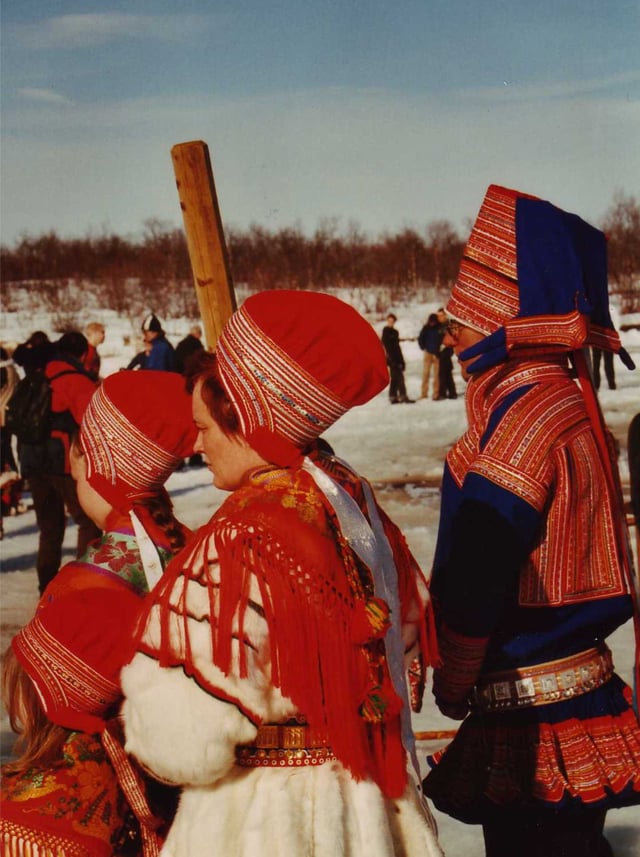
(462, 659)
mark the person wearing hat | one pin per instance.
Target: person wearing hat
(71, 790)
(269, 679)
(531, 570)
(161, 355)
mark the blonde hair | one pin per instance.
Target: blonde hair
(95, 327)
(39, 741)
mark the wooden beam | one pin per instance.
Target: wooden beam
(205, 237)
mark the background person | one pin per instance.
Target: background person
(446, 384)
(8, 381)
(35, 352)
(430, 341)
(46, 466)
(139, 360)
(186, 351)
(395, 361)
(188, 347)
(95, 333)
(270, 677)
(161, 355)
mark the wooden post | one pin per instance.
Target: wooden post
(205, 237)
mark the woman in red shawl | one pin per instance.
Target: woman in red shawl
(269, 680)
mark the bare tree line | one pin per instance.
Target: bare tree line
(127, 274)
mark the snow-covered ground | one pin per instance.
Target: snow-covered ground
(400, 448)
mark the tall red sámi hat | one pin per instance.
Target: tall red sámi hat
(292, 363)
(136, 430)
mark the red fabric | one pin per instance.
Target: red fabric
(73, 808)
(73, 651)
(69, 392)
(326, 337)
(514, 760)
(494, 287)
(135, 432)
(74, 647)
(279, 533)
(486, 291)
(612, 475)
(91, 361)
(462, 659)
(292, 363)
(80, 637)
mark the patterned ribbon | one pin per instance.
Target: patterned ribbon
(371, 545)
(149, 556)
(133, 790)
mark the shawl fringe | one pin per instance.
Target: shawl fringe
(326, 629)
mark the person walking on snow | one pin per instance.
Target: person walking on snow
(395, 361)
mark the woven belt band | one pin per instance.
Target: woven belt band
(279, 745)
(545, 683)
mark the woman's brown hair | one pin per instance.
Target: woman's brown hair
(160, 509)
(39, 742)
(203, 368)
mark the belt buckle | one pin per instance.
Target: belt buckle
(293, 737)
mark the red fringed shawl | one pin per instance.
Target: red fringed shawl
(325, 626)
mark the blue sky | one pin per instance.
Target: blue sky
(386, 114)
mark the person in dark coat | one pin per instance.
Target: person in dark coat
(446, 384)
(162, 355)
(35, 352)
(8, 381)
(430, 341)
(139, 361)
(395, 361)
(187, 347)
(186, 350)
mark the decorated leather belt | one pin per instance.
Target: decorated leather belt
(545, 683)
(293, 744)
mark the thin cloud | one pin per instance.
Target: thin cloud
(46, 96)
(86, 30)
(367, 155)
(512, 90)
